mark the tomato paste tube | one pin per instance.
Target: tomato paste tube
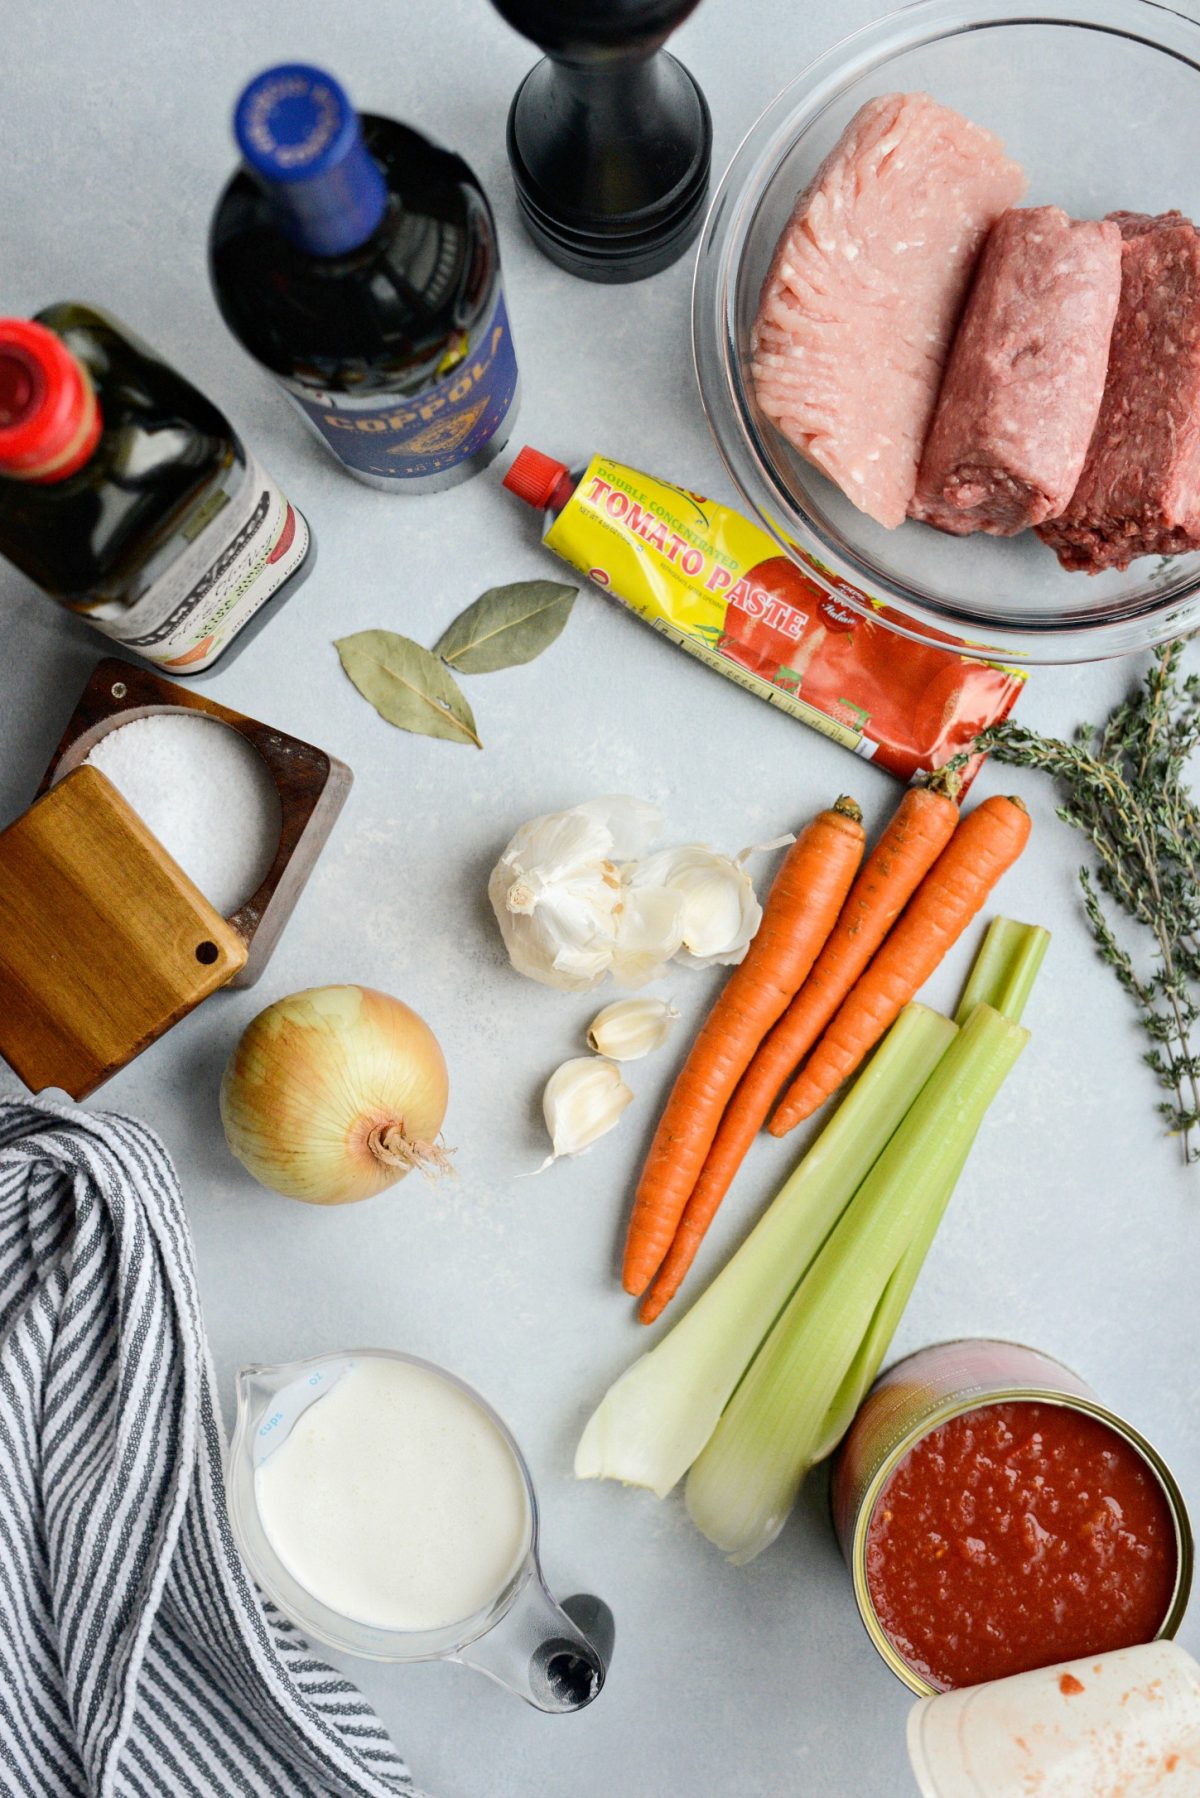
(719, 587)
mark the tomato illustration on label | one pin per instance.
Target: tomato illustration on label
(769, 614)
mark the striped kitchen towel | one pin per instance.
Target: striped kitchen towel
(136, 1657)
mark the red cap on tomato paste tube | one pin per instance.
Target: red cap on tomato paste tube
(534, 476)
(49, 419)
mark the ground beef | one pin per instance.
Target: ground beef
(865, 289)
(1022, 389)
(1139, 493)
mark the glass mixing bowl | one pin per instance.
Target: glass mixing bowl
(1100, 103)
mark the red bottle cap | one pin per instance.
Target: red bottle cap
(49, 420)
(533, 477)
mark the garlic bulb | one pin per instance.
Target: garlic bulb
(583, 1100)
(631, 1028)
(561, 905)
(720, 910)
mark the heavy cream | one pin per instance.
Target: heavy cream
(395, 1501)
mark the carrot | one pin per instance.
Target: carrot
(801, 909)
(915, 836)
(986, 843)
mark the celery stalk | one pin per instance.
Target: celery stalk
(860, 1375)
(654, 1421)
(1002, 976)
(744, 1484)
(1003, 972)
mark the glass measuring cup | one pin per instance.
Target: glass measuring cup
(521, 1638)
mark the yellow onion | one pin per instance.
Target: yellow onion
(334, 1094)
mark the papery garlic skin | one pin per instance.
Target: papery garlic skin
(583, 1099)
(720, 909)
(649, 932)
(631, 1028)
(557, 892)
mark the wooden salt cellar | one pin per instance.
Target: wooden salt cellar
(105, 942)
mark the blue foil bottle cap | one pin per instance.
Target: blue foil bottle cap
(299, 134)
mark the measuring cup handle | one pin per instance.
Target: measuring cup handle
(538, 1652)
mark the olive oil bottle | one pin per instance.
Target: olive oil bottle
(127, 496)
(358, 263)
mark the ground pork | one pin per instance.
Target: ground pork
(867, 283)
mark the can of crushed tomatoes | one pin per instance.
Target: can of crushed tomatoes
(996, 1517)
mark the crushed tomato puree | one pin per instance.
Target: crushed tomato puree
(1015, 1536)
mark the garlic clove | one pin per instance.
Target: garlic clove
(631, 1028)
(583, 1099)
(648, 932)
(721, 912)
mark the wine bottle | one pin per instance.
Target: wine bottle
(126, 495)
(358, 263)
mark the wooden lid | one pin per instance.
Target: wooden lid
(104, 941)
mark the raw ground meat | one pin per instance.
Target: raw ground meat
(1022, 389)
(1136, 224)
(1139, 493)
(860, 303)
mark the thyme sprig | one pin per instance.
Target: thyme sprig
(1125, 787)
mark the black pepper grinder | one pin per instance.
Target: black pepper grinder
(609, 137)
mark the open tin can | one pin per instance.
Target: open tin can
(928, 1389)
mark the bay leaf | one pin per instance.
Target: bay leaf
(407, 685)
(506, 626)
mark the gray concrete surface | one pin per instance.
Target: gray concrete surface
(1074, 1228)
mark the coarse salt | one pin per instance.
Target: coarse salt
(206, 794)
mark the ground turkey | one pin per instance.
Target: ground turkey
(1139, 493)
(1022, 389)
(860, 303)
